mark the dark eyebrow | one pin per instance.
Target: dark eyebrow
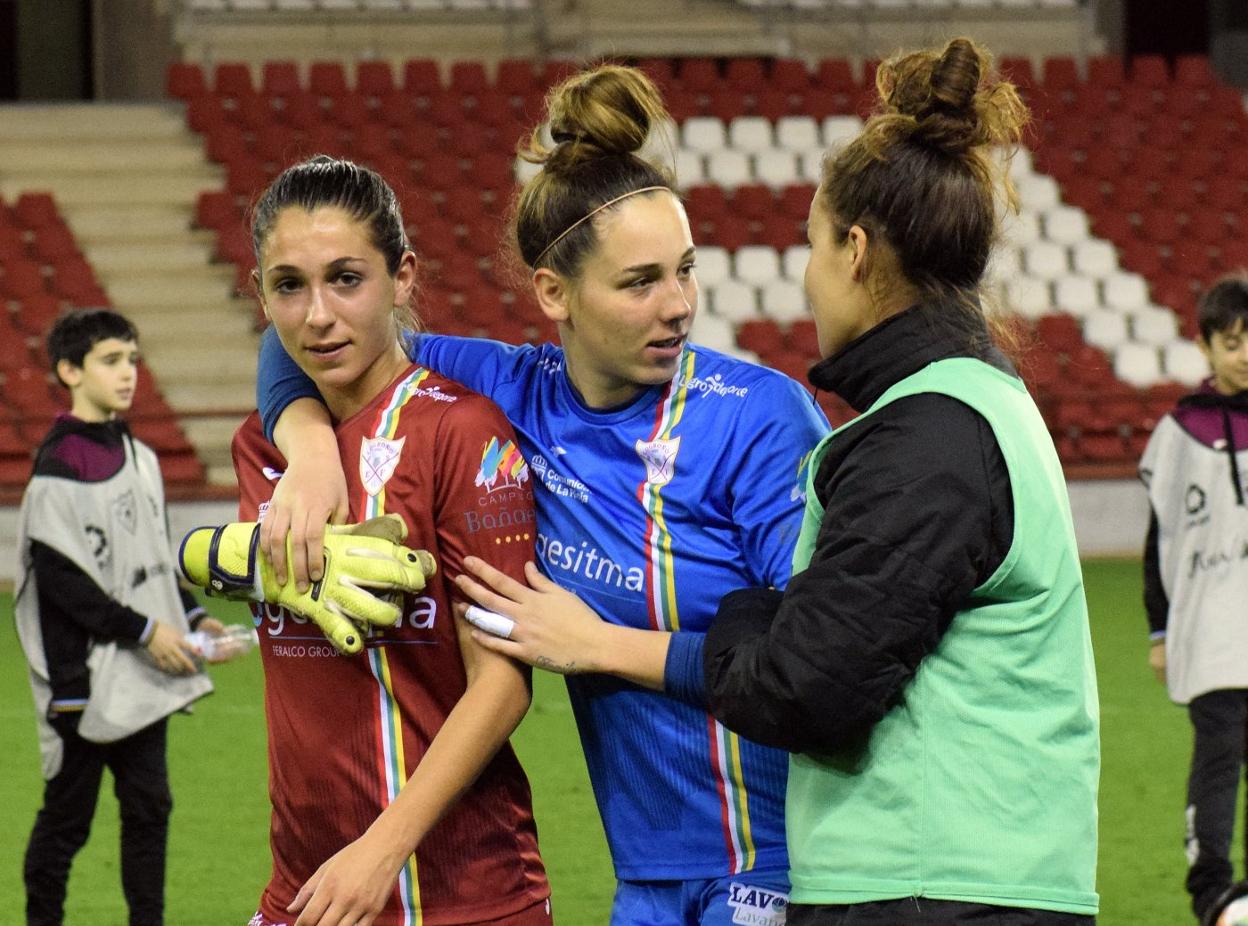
(334, 265)
(650, 268)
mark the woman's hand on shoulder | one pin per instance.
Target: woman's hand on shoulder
(552, 628)
(311, 493)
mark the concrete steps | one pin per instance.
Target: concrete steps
(126, 178)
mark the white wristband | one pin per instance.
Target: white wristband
(490, 621)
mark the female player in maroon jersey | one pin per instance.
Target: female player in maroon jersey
(396, 798)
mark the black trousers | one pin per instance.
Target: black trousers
(141, 783)
(918, 911)
(1220, 722)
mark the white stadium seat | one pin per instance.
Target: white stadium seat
(810, 165)
(1094, 258)
(1105, 329)
(1184, 362)
(712, 266)
(713, 332)
(783, 301)
(1046, 260)
(1021, 164)
(1137, 364)
(776, 167)
(733, 300)
(1021, 228)
(1038, 192)
(839, 129)
(704, 134)
(1124, 291)
(728, 168)
(794, 261)
(526, 170)
(798, 134)
(689, 167)
(1154, 325)
(1065, 224)
(756, 264)
(662, 142)
(1028, 296)
(750, 134)
(1076, 295)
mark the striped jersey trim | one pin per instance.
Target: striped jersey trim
(394, 772)
(387, 424)
(725, 746)
(660, 574)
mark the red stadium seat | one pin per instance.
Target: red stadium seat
(1150, 71)
(745, 74)
(468, 78)
(421, 77)
(327, 78)
(53, 242)
(754, 201)
(280, 79)
(1018, 71)
(1105, 71)
(23, 279)
(185, 81)
(699, 75)
(232, 79)
(790, 75)
(763, 337)
(515, 77)
(835, 74)
(374, 78)
(206, 115)
(36, 209)
(1194, 71)
(1060, 73)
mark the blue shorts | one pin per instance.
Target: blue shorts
(752, 898)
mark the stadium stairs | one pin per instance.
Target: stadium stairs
(125, 178)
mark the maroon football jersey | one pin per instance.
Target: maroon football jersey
(345, 732)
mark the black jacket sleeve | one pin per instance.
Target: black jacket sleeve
(918, 513)
(1156, 602)
(70, 592)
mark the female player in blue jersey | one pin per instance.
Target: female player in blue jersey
(930, 664)
(666, 474)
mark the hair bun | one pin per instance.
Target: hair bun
(608, 110)
(950, 100)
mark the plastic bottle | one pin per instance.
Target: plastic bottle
(236, 640)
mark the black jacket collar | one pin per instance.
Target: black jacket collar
(900, 346)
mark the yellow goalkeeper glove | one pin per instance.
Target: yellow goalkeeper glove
(363, 562)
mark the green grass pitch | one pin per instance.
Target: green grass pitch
(218, 854)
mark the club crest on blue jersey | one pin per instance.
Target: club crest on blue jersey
(378, 459)
(660, 459)
(757, 906)
(502, 467)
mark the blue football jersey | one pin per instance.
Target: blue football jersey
(651, 512)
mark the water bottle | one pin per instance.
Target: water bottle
(236, 640)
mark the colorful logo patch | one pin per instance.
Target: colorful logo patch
(378, 459)
(502, 467)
